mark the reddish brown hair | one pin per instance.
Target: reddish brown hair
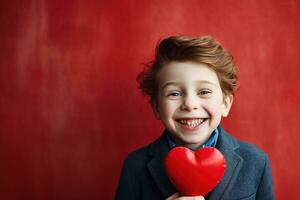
(195, 49)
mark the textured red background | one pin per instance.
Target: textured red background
(70, 109)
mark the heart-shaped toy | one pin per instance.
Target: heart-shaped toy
(195, 173)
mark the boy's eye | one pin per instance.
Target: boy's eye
(174, 94)
(204, 92)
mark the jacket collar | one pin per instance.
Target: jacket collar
(226, 144)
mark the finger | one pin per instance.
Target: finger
(191, 198)
(175, 195)
(197, 198)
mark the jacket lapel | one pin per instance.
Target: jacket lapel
(158, 150)
(227, 145)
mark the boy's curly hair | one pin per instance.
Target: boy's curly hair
(194, 49)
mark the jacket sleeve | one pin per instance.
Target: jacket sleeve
(127, 188)
(265, 189)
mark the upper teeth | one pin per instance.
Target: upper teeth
(193, 122)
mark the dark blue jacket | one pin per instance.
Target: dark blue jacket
(247, 175)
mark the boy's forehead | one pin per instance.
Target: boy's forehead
(176, 73)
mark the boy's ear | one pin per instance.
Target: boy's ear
(228, 99)
(155, 110)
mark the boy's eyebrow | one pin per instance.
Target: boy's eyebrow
(197, 82)
(170, 83)
(207, 82)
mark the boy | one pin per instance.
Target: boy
(190, 84)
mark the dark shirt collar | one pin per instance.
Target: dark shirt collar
(211, 142)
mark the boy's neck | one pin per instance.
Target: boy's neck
(210, 142)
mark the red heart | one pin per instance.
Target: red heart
(195, 173)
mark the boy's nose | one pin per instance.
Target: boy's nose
(189, 104)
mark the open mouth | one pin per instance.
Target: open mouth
(191, 123)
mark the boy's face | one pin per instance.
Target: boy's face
(190, 102)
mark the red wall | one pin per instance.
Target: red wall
(70, 109)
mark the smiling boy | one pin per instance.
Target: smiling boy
(190, 102)
(190, 84)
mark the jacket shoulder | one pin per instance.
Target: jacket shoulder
(245, 150)
(133, 169)
(251, 152)
(255, 165)
(140, 157)
(137, 157)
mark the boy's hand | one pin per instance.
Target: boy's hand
(176, 196)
